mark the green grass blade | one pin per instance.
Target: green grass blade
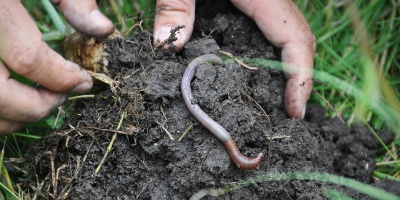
(391, 117)
(385, 176)
(305, 176)
(30, 4)
(26, 135)
(336, 195)
(55, 17)
(10, 194)
(7, 179)
(2, 155)
(53, 36)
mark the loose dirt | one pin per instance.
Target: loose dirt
(151, 159)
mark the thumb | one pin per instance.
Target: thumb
(170, 14)
(85, 16)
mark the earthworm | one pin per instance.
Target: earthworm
(237, 157)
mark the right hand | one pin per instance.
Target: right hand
(23, 50)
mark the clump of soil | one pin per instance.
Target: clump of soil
(150, 160)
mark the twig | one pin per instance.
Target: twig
(172, 38)
(143, 189)
(259, 106)
(162, 111)
(386, 163)
(105, 155)
(38, 190)
(77, 172)
(60, 110)
(237, 60)
(81, 97)
(53, 173)
(145, 165)
(330, 106)
(57, 175)
(109, 148)
(16, 168)
(15, 160)
(278, 137)
(137, 24)
(166, 131)
(184, 133)
(132, 130)
(207, 192)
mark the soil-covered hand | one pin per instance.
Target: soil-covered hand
(23, 51)
(281, 22)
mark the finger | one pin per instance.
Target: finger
(296, 96)
(7, 127)
(86, 17)
(298, 64)
(19, 102)
(24, 51)
(284, 26)
(170, 14)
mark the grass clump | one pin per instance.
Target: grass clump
(358, 47)
(357, 43)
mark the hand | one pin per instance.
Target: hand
(23, 50)
(289, 31)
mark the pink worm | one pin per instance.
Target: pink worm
(237, 157)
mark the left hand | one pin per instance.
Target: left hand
(23, 50)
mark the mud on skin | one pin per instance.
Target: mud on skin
(149, 165)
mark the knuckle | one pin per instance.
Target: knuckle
(314, 43)
(307, 36)
(9, 127)
(42, 114)
(166, 6)
(27, 59)
(38, 115)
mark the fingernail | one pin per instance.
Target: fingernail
(62, 100)
(87, 77)
(97, 16)
(101, 22)
(303, 112)
(55, 2)
(83, 87)
(164, 32)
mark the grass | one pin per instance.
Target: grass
(126, 13)
(357, 69)
(357, 43)
(363, 188)
(358, 46)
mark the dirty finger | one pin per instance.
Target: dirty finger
(86, 17)
(171, 14)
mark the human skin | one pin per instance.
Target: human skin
(217, 130)
(23, 50)
(281, 22)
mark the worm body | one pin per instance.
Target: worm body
(238, 158)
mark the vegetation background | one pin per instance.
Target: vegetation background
(357, 71)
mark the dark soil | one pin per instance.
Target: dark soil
(149, 164)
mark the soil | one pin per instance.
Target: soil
(149, 160)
